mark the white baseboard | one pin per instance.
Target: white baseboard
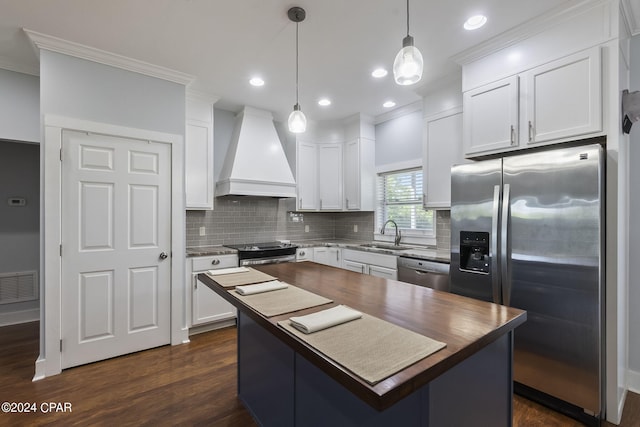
(40, 369)
(212, 326)
(633, 378)
(15, 317)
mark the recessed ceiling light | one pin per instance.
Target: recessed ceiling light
(475, 22)
(389, 104)
(324, 102)
(378, 73)
(256, 81)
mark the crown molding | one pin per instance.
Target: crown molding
(399, 112)
(526, 30)
(7, 64)
(55, 44)
(202, 95)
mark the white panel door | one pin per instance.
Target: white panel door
(330, 176)
(441, 150)
(307, 175)
(116, 228)
(491, 117)
(563, 98)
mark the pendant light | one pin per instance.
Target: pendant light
(407, 67)
(297, 120)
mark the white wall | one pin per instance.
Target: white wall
(19, 107)
(399, 139)
(87, 90)
(634, 230)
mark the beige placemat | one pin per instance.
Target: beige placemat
(371, 348)
(239, 279)
(282, 301)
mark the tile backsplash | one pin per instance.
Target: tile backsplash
(246, 219)
(443, 230)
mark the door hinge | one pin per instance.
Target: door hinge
(61, 250)
(60, 346)
(61, 154)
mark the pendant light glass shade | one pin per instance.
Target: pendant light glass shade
(297, 120)
(408, 65)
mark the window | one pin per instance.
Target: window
(400, 199)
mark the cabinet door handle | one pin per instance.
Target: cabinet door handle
(215, 262)
(300, 202)
(530, 131)
(513, 135)
(320, 203)
(346, 203)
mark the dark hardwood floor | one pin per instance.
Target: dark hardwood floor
(191, 384)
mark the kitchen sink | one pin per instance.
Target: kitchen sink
(384, 246)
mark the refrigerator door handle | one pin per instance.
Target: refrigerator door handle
(495, 281)
(504, 249)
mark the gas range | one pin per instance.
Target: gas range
(264, 253)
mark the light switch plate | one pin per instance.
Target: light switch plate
(203, 231)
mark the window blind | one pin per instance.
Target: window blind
(400, 199)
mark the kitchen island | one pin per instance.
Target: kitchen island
(284, 381)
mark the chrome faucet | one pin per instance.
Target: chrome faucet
(396, 241)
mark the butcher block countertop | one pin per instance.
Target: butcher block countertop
(465, 325)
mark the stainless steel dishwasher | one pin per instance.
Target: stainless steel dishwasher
(420, 272)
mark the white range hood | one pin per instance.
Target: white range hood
(256, 164)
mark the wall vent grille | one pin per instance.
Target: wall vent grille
(18, 287)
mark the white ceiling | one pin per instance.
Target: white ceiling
(225, 42)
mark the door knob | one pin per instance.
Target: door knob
(163, 255)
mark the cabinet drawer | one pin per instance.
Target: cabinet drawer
(213, 262)
(382, 260)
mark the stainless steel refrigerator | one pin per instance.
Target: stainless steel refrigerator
(528, 231)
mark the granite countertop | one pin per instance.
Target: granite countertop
(412, 251)
(194, 251)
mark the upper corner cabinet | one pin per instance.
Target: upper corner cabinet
(555, 102)
(562, 99)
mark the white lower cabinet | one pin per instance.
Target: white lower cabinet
(374, 264)
(328, 256)
(206, 305)
(304, 254)
(387, 273)
(358, 267)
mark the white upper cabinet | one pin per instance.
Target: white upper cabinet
(555, 102)
(334, 175)
(442, 148)
(491, 117)
(330, 176)
(562, 99)
(359, 174)
(319, 176)
(307, 176)
(199, 183)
